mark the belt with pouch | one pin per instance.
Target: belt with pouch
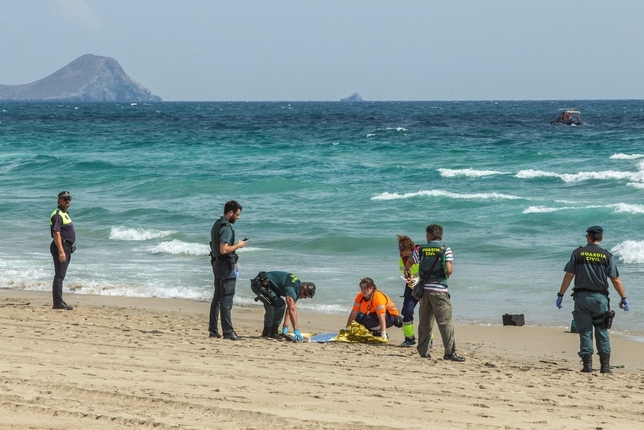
(70, 245)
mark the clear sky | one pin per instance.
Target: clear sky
(327, 50)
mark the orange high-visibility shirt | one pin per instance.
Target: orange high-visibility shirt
(379, 303)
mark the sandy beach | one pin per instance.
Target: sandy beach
(116, 362)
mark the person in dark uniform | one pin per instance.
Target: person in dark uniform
(224, 267)
(270, 287)
(62, 247)
(591, 266)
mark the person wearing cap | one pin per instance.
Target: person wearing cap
(374, 310)
(62, 246)
(288, 286)
(591, 266)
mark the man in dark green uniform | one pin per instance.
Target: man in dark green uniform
(224, 267)
(282, 284)
(590, 266)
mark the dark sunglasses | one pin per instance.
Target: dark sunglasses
(66, 199)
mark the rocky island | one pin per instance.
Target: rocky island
(355, 97)
(89, 78)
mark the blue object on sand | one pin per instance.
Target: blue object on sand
(324, 337)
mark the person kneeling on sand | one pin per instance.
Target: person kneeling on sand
(270, 287)
(374, 310)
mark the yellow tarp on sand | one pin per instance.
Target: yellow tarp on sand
(358, 333)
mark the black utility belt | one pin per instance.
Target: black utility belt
(226, 257)
(586, 290)
(70, 245)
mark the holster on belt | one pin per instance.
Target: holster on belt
(70, 245)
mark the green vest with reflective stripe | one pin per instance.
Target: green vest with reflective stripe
(413, 269)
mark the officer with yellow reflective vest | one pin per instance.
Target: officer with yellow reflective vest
(61, 248)
(406, 248)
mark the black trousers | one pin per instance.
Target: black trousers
(222, 300)
(60, 270)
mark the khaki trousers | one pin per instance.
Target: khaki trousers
(438, 306)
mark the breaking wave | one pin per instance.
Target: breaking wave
(451, 173)
(630, 251)
(626, 156)
(581, 176)
(124, 233)
(440, 193)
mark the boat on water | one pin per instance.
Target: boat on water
(567, 117)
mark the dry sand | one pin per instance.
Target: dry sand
(117, 362)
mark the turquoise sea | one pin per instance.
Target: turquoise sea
(325, 189)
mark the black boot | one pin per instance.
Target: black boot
(266, 331)
(587, 360)
(273, 332)
(604, 360)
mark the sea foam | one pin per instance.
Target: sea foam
(626, 156)
(125, 233)
(451, 173)
(178, 247)
(630, 251)
(581, 176)
(618, 207)
(628, 208)
(440, 193)
(543, 209)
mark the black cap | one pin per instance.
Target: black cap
(595, 230)
(64, 194)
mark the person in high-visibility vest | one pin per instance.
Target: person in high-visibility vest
(62, 246)
(374, 310)
(406, 248)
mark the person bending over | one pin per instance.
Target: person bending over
(280, 291)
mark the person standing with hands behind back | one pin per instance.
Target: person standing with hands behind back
(224, 267)
(590, 266)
